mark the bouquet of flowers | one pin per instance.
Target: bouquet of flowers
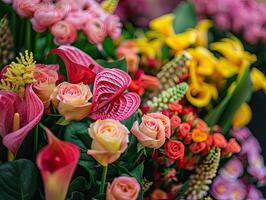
(156, 113)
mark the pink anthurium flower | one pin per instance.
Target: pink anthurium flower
(80, 66)
(18, 116)
(57, 162)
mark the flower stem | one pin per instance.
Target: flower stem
(104, 174)
(36, 139)
(28, 35)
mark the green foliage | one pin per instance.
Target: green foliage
(109, 48)
(118, 64)
(18, 180)
(185, 17)
(224, 112)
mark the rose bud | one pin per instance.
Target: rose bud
(197, 147)
(64, 33)
(174, 149)
(110, 139)
(219, 140)
(95, 30)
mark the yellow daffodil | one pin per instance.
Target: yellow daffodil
(258, 79)
(163, 25)
(148, 48)
(242, 116)
(202, 32)
(233, 50)
(226, 69)
(181, 41)
(205, 60)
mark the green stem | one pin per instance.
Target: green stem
(139, 156)
(104, 174)
(28, 35)
(36, 139)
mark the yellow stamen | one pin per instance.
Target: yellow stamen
(109, 5)
(16, 126)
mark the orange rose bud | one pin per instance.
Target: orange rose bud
(219, 140)
(231, 147)
(197, 147)
(199, 135)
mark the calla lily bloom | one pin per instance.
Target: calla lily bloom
(258, 79)
(80, 67)
(163, 24)
(242, 116)
(181, 41)
(18, 116)
(202, 32)
(233, 50)
(148, 48)
(57, 163)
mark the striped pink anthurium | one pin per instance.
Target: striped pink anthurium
(57, 162)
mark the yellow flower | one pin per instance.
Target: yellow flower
(181, 41)
(233, 50)
(242, 116)
(258, 79)
(148, 48)
(199, 135)
(163, 24)
(205, 60)
(226, 69)
(202, 32)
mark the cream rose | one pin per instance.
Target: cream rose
(46, 77)
(110, 139)
(151, 132)
(71, 100)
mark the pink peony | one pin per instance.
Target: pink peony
(64, 33)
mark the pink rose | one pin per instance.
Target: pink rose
(46, 77)
(166, 122)
(123, 188)
(113, 26)
(95, 30)
(151, 132)
(78, 19)
(127, 47)
(64, 33)
(110, 139)
(71, 100)
(25, 8)
(46, 15)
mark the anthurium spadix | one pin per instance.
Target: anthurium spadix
(57, 162)
(18, 116)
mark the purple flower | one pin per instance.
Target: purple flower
(221, 188)
(254, 193)
(233, 169)
(256, 166)
(241, 134)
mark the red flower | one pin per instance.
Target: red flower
(136, 86)
(197, 147)
(175, 107)
(188, 138)
(219, 140)
(209, 141)
(184, 128)
(175, 122)
(57, 162)
(231, 147)
(174, 149)
(80, 67)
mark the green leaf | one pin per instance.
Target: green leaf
(225, 111)
(77, 196)
(18, 180)
(138, 172)
(185, 17)
(77, 133)
(109, 47)
(62, 121)
(78, 184)
(119, 64)
(182, 191)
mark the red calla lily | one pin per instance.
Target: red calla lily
(18, 116)
(80, 66)
(57, 162)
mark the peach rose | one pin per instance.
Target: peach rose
(166, 122)
(64, 33)
(110, 139)
(25, 8)
(46, 77)
(71, 100)
(95, 30)
(132, 62)
(151, 132)
(123, 188)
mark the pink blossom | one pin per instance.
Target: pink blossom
(25, 8)
(95, 30)
(233, 169)
(64, 33)
(113, 26)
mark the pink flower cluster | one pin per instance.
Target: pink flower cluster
(231, 184)
(247, 17)
(65, 17)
